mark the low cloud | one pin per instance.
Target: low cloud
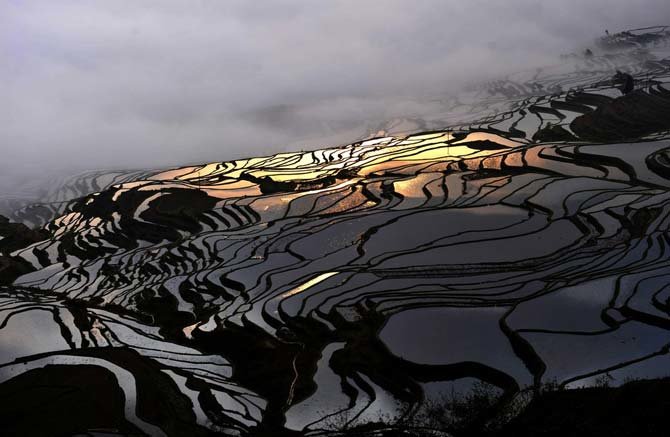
(129, 84)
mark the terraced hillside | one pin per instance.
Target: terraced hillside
(349, 287)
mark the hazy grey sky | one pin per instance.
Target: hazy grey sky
(131, 83)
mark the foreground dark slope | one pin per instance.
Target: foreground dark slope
(349, 288)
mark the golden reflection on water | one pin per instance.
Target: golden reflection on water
(173, 174)
(413, 188)
(227, 179)
(309, 284)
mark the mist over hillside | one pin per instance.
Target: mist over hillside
(128, 85)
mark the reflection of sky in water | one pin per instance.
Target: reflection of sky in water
(575, 308)
(29, 333)
(570, 355)
(453, 335)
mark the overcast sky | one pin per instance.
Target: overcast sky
(133, 83)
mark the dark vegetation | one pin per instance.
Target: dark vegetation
(636, 408)
(628, 117)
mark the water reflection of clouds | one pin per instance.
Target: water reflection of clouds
(29, 333)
